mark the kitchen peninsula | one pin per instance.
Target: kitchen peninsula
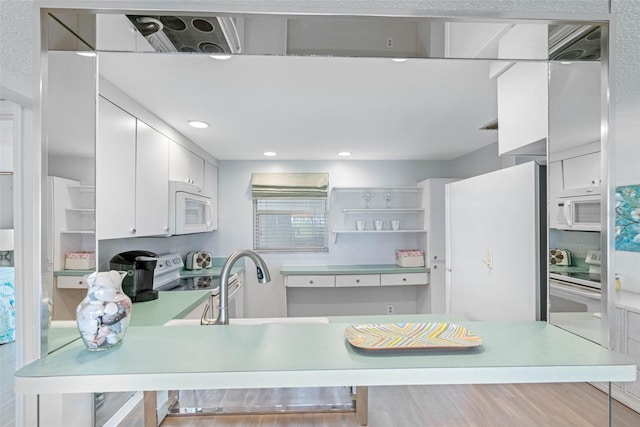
(278, 355)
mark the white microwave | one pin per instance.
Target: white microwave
(577, 213)
(190, 209)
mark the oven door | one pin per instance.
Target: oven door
(576, 308)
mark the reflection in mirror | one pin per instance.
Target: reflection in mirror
(272, 35)
(69, 214)
(576, 193)
(350, 36)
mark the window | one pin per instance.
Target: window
(290, 212)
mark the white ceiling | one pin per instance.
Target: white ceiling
(314, 107)
(303, 108)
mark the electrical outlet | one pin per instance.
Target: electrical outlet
(389, 42)
(389, 309)
(582, 249)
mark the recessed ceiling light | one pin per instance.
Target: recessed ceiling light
(91, 54)
(221, 57)
(198, 124)
(269, 153)
(399, 59)
(344, 153)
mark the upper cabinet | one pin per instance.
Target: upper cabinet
(152, 178)
(117, 33)
(522, 110)
(185, 166)
(131, 176)
(522, 91)
(574, 105)
(115, 172)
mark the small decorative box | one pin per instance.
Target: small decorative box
(409, 258)
(79, 260)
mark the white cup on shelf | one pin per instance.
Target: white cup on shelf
(377, 224)
(359, 225)
(395, 224)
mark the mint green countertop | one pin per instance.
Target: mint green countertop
(304, 355)
(169, 305)
(300, 270)
(72, 272)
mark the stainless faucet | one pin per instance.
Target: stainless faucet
(223, 311)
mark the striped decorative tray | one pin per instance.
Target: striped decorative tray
(399, 336)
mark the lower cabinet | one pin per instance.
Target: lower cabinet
(313, 281)
(355, 280)
(627, 341)
(354, 291)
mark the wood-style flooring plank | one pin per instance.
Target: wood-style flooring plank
(522, 405)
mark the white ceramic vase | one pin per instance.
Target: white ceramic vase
(103, 315)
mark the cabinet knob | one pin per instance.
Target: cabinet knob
(357, 280)
(404, 279)
(435, 267)
(133, 231)
(311, 282)
(435, 257)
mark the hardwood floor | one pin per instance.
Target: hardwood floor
(522, 405)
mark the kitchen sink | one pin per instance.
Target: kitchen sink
(253, 321)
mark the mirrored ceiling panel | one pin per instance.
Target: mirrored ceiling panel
(339, 36)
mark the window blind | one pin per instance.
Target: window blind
(295, 185)
(290, 212)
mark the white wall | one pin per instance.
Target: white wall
(625, 166)
(481, 161)
(236, 218)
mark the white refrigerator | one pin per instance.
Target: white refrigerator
(496, 237)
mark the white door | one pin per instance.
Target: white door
(492, 230)
(152, 182)
(115, 172)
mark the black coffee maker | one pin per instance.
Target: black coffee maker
(140, 267)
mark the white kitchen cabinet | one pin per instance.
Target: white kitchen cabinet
(575, 172)
(433, 203)
(310, 281)
(115, 172)
(185, 166)
(132, 189)
(434, 242)
(627, 342)
(71, 282)
(151, 182)
(116, 33)
(353, 280)
(524, 41)
(403, 279)
(581, 172)
(211, 190)
(523, 109)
